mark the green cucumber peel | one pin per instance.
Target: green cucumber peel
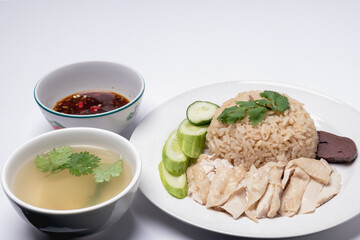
(174, 185)
(175, 161)
(191, 138)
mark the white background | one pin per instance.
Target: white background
(176, 46)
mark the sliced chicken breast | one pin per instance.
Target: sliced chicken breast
(314, 168)
(198, 183)
(288, 172)
(275, 180)
(310, 197)
(236, 205)
(330, 190)
(293, 193)
(256, 186)
(224, 184)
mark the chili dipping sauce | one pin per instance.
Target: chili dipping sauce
(90, 102)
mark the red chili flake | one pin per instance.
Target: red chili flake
(94, 108)
(80, 104)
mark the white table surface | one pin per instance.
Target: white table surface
(176, 46)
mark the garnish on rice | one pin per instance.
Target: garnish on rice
(255, 109)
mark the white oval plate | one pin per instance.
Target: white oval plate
(328, 114)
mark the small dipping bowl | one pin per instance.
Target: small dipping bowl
(78, 221)
(89, 76)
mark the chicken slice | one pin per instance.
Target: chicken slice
(198, 183)
(272, 194)
(256, 186)
(218, 163)
(330, 190)
(288, 172)
(310, 197)
(293, 193)
(326, 164)
(275, 202)
(236, 205)
(275, 180)
(264, 202)
(314, 168)
(251, 213)
(224, 184)
(210, 165)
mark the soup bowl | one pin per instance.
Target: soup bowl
(90, 76)
(78, 221)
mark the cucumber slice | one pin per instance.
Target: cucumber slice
(191, 138)
(175, 185)
(201, 112)
(173, 157)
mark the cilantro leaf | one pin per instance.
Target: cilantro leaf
(256, 110)
(247, 105)
(279, 102)
(107, 170)
(54, 159)
(256, 115)
(263, 102)
(43, 163)
(232, 114)
(59, 157)
(82, 163)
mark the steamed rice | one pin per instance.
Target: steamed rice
(280, 137)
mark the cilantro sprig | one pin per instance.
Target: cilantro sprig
(78, 164)
(107, 170)
(255, 109)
